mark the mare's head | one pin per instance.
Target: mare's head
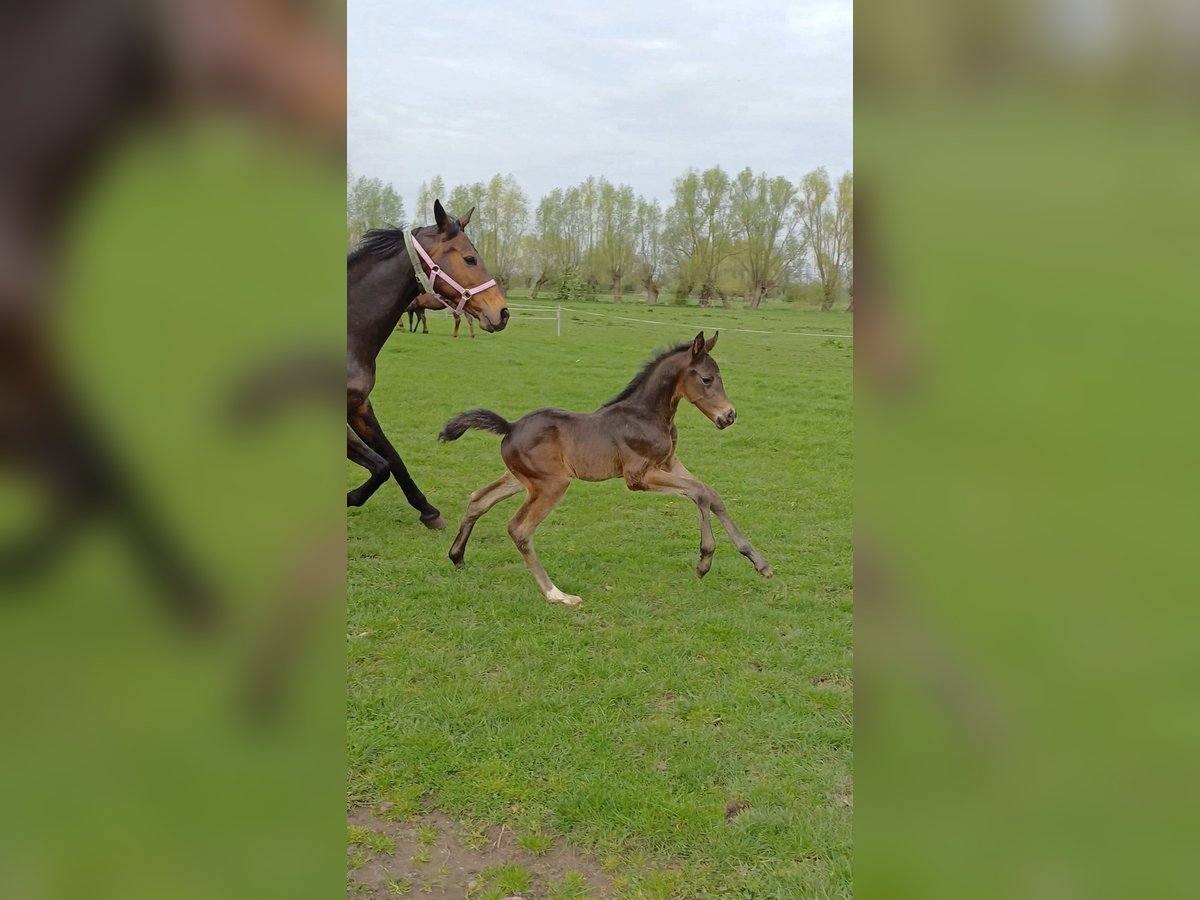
(451, 250)
(700, 383)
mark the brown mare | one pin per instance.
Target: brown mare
(631, 436)
(381, 282)
(428, 301)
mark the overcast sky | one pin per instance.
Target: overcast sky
(634, 90)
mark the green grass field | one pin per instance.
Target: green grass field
(625, 728)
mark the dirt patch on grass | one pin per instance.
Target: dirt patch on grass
(439, 858)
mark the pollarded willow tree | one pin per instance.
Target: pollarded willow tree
(765, 218)
(613, 254)
(500, 218)
(430, 191)
(698, 229)
(845, 204)
(370, 203)
(651, 258)
(558, 249)
(825, 223)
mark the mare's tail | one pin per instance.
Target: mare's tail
(483, 419)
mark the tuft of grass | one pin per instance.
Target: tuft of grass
(572, 887)
(358, 836)
(469, 688)
(535, 842)
(474, 837)
(421, 857)
(402, 802)
(427, 835)
(398, 887)
(510, 878)
(661, 884)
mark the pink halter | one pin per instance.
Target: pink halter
(435, 272)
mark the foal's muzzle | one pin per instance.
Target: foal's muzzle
(725, 419)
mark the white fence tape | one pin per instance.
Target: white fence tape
(559, 310)
(682, 325)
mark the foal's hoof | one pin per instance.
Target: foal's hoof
(557, 596)
(437, 523)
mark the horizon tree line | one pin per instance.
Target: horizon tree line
(748, 235)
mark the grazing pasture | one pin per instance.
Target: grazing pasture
(686, 737)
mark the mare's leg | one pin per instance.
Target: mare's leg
(481, 501)
(358, 452)
(367, 427)
(542, 496)
(678, 480)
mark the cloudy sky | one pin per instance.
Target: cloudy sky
(634, 90)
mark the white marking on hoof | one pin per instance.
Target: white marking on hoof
(557, 596)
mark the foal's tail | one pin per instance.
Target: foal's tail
(483, 419)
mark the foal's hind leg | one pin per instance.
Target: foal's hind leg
(542, 497)
(481, 501)
(678, 480)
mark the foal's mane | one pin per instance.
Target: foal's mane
(641, 376)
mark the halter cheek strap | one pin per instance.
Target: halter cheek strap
(428, 272)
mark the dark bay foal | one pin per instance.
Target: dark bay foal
(631, 436)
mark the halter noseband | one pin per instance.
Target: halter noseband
(435, 272)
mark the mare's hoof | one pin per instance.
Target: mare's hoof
(766, 571)
(437, 522)
(703, 566)
(557, 596)
(459, 563)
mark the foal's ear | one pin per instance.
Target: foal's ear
(463, 220)
(698, 346)
(711, 342)
(440, 216)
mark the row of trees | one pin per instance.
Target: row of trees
(721, 236)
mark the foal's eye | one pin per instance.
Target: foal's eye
(707, 379)
(470, 260)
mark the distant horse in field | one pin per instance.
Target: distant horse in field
(416, 310)
(384, 275)
(632, 436)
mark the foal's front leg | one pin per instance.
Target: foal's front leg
(678, 480)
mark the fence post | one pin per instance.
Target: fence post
(558, 321)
